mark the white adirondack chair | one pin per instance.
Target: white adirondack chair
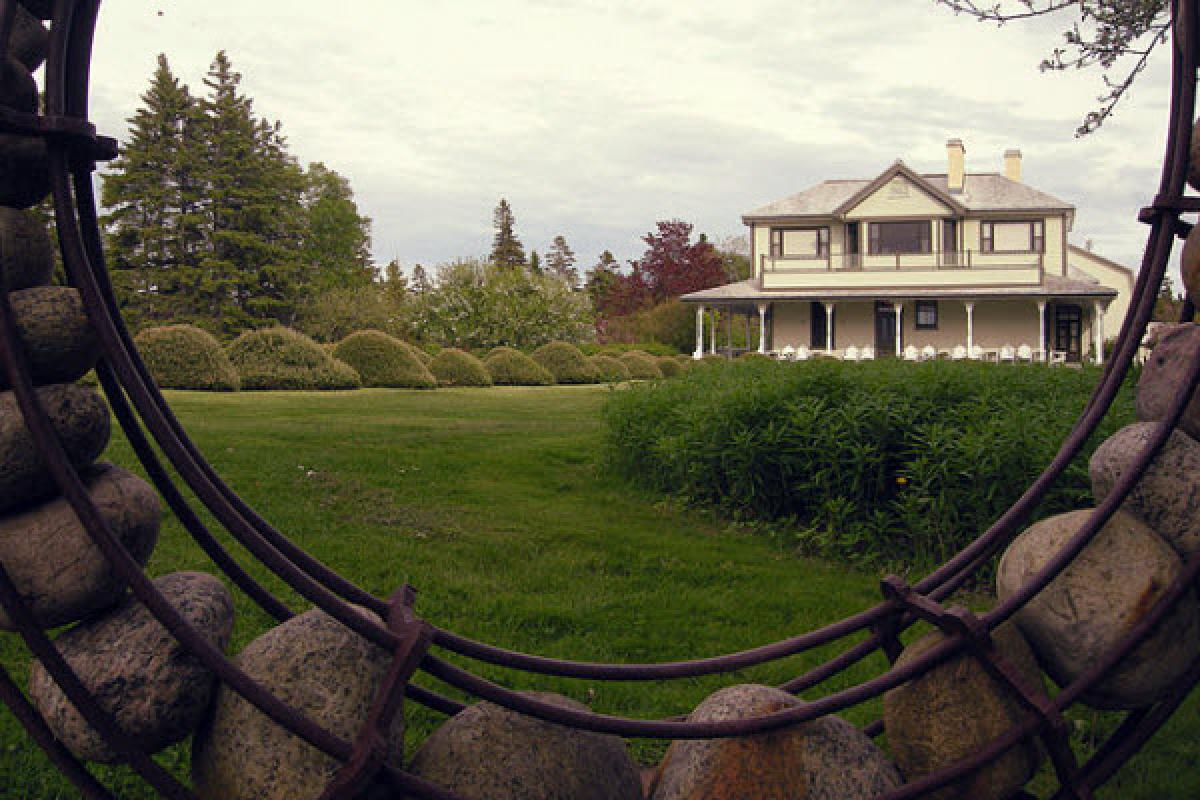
(911, 354)
(1025, 353)
(803, 353)
(868, 353)
(788, 353)
(850, 354)
(1007, 353)
(976, 352)
(928, 353)
(958, 353)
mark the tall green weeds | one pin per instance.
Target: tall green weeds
(873, 463)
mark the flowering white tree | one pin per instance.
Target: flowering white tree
(478, 304)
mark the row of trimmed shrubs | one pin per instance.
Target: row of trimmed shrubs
(186, 357)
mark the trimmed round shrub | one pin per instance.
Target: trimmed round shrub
(642, 366)
(611, 370)
(669, 367)
(281, 358)
(509, 367)
(186, 357)
(566, 363)
(454, 367)
(383, 360)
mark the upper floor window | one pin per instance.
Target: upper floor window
(799, 242)
(900, 237)
(1025, 236)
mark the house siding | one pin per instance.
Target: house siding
(899, 198)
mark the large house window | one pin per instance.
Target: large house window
(900, 237)
(927, 315)
(799, 242)
(1025, 236)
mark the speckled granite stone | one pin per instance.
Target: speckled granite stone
(949, 712)
(80, 418)
(487, 752)
(823, 759)
(52, 560)
(1095, 601)
(24, 171)
(29, 41)
(139, 672)
(1163, 374)
(315, 664)
(1167, 497)
(26, 252)
(58, 339)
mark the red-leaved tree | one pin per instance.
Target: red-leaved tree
(674, 265)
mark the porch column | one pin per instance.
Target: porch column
(699, 354)
(970, 306)
(1042, 330)
(712, 333)
(762, 327)
(899, 306)
(829, 328)
(1098, 329)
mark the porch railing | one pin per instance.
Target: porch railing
(885, 262)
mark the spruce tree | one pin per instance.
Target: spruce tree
(336, 240)
(507, 250)
(561, 261)
(152, 192)
(535, 263)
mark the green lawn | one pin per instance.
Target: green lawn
(492, 503)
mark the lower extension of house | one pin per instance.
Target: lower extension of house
(955, 262)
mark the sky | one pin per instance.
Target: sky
(595, 118)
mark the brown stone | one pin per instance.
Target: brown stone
(157, 691)
(949, 712)
(1095, 602)
(80, 419)
(321, 668)
(1167, 496)
(823, 759)
(59, 341)
(1163, 374)
(487, 752)
(24, 171)
(52, 560)
(26, 252)
(29, 41)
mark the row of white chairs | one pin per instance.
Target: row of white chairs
(1007, 353)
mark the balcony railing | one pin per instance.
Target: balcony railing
(895, 262)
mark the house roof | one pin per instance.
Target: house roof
(751, 291)
(982, 191)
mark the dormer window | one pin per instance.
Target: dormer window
(1024, 236)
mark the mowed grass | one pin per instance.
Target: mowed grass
(494, 505)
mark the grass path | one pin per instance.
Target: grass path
(492, 504)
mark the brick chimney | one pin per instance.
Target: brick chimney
(956, 155)
(1012, 165)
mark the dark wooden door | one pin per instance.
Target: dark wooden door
(1068, 331)
(885, 330)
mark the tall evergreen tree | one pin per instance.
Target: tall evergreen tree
(420, 280)
(535, 263)
(507, 250)
(152, 192)
(561, 261)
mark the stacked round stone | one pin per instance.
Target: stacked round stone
(156, 692)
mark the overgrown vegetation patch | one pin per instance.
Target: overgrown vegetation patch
(281, 358)
(383, 360)
(873, 463)
(186, 357)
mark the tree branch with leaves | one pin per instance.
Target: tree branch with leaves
(1118, 36)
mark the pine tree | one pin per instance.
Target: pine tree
(420, 280)
(561, 261)
(336, 239)
(507, 250)
(152, 192)
(535, 263)
(600, 279)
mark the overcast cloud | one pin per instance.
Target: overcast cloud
(597, 117)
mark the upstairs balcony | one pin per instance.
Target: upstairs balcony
(935, 269)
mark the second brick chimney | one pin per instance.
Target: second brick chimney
(956, 155)
(1012, 165)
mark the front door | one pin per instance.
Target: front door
(1068, 331)
(885, 329)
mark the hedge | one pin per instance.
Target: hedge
(186, 357)
(566, 363)
(669, 367)
(454, 367)
(642, 366)
(510, 367)
(383, 360)
(281, 358)
(876, 463)
(611, 370)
